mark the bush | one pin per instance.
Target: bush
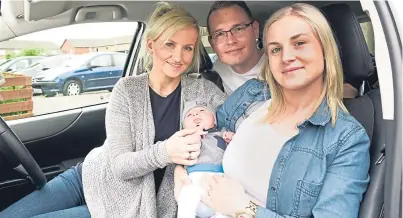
(26, 52)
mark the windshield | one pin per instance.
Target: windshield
(34, 64)
(51, 62)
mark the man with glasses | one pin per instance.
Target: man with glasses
(233, 34)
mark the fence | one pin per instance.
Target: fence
(16, 97)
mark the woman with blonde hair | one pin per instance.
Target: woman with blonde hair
(131, 175)
(298, 154)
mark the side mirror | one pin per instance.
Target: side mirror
(8, 70)
(92, 67)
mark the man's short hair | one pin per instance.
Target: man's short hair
(217, 5)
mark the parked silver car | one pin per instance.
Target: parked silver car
(19, 63)
(45, 64)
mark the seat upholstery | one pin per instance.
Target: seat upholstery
(354, 53)
(367, 109)
(206, 69)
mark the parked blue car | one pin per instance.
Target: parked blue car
(82, 73)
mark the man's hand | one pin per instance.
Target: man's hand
(227, 136)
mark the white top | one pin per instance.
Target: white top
(231, 79)
(250, 156)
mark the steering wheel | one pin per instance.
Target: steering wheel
(15, 152)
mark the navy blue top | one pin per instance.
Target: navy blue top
(166, 114)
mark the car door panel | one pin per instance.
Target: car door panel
(115, 75)
(52, 125)
(59, 141)
(100, 78)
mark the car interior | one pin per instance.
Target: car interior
(35, 150)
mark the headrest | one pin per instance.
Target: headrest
(205, 61)
(354, 53)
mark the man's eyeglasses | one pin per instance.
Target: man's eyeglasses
(236, 31)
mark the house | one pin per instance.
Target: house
(81, 46)
(15, 46)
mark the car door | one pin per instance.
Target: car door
(58, 131)
(100, 73)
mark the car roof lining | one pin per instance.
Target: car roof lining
(58, 13)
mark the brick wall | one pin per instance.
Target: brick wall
(68, 49)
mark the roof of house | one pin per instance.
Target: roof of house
(23, 44)
(91, 43)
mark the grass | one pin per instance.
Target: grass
(13, 113)
(9, 88)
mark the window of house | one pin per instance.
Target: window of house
(68, 84)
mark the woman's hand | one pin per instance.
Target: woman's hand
(181, 178)
(183, 147)
(224, 195)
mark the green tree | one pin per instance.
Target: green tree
(27, 52)
(31, 52)
(10, 55)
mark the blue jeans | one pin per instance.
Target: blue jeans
(62, 196)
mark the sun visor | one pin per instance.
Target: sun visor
(40, 9)
(99, 13)
(5, 32)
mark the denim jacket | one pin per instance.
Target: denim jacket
(320, 172)
(241, 103)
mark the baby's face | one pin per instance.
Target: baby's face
(200, 118)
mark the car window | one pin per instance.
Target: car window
(206, 43)
(18, 65)
(368, 31)
(65, 84)
(119, 60)
(34, 60)
(101, 61)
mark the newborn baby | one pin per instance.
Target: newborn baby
(201, 115)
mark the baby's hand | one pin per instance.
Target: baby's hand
(228, 136)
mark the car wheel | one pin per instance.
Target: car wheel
(72, 87)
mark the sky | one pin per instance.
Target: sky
(83, 31)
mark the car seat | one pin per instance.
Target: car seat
(367, 109)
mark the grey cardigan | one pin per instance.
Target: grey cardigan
(118, 178)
